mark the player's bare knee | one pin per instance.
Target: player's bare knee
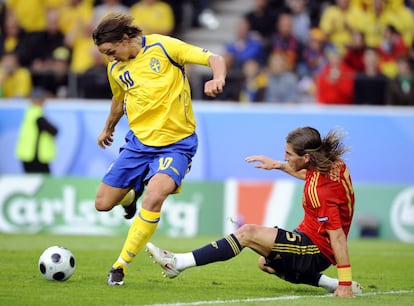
(100, 205)
(246, 234)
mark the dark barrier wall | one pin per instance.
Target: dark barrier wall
(381, 138)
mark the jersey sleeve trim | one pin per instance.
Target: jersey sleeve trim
(113, 66)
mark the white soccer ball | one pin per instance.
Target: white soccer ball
(57, 263)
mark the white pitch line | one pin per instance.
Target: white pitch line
(279, 298)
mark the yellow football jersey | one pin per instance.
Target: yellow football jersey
(155, 89)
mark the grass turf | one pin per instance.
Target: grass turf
(384, 268)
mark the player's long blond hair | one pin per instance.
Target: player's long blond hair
(113, 27)
(324, 152)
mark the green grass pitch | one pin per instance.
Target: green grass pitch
(384, 268)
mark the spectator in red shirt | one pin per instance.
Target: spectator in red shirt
(354, 53)
(335, 82)
(319, 241)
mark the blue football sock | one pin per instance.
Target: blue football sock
(219, 250)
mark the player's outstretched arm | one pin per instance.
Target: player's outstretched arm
(105, 138)
(268, 163)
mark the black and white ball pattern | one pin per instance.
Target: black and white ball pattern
(57, 263)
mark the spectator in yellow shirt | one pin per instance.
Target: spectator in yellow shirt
(12, 35)
(32, 14)
(153, 16)
(74, 12)
(339, 20)
(15, 81)
(404, 21)
(80, 42)
(375, 22)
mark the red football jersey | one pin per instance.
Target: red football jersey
(328, 202)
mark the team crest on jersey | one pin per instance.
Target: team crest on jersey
(155, 64)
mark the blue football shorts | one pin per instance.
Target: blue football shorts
(137, 162)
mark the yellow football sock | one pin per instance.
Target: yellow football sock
(141, 230)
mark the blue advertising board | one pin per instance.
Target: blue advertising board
(381, 139)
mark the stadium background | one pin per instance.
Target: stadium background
(221, 191)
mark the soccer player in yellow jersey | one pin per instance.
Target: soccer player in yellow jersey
(149, 85)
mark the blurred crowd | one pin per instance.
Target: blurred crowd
(47, 44)
(282, 51)
(326, 52)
